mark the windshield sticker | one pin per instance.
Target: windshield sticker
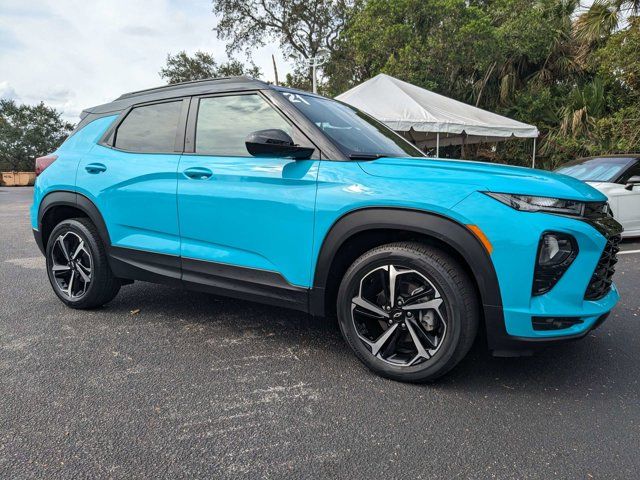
(295, 98)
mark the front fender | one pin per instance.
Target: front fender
(444, 229)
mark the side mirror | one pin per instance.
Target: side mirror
(275, 143)
(633, 181)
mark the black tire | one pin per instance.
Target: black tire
(449, 282)
(103, 285)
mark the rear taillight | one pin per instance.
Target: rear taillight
(44, 162)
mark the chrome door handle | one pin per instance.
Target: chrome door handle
(198, 173)
(95, 168)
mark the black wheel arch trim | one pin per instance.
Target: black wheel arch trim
(444, 229)
(70, 199)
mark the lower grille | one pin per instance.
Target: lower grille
(554, 323)
(600, 283)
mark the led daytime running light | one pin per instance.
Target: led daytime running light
(531, 203)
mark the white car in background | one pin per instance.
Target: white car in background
(618, 177)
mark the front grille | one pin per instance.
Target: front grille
(600, 283)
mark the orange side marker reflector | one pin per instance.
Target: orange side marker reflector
(482, 237)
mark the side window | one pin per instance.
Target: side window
(224, 123)
(632, 172)
(151, 128)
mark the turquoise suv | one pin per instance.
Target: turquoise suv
(241, 188)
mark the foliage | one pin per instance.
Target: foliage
(617, 61)
(301, 27)
(27, 132)
(572, 72)
(603, 18)
(183, 68)
(582, 106)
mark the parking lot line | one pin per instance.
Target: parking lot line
(624, 252)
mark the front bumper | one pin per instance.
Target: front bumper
(515, 236)
(502, 344)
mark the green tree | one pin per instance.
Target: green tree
(617, 62)
(582, 106)
(301, 28)
(28, 132)
(521, 58)
(420, 41)
(201, 65)
(479, 52)
(604, 17)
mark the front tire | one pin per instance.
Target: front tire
(409, 311)
(77, 265)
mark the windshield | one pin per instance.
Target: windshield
(606, 169)
(356, 134)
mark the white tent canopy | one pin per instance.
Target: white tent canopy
(429, 119)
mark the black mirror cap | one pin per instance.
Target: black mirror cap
(274, 142)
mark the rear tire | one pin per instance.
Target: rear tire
(77, 265)
(409, 311)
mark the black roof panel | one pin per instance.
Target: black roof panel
(198, 87)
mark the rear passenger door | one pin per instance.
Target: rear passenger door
(253, 215)
(131, 176)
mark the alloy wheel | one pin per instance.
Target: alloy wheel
(71, 265)
(399, 315)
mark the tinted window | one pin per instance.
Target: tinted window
(224, 123)
(604, 169)
(357, 134)
(632, 172)
(151, 128)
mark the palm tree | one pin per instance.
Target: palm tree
(561, 61)
(583, 106)
(501, 80)
(603, 18)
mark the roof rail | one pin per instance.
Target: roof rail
(182, 84)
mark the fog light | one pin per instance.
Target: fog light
(554, 249)
(556, 252)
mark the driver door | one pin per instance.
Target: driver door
(242, 211)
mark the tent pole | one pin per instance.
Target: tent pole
(438, 144)
(533, 159)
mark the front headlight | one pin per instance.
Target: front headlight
(529, 203)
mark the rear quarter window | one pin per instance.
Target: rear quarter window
(149, 128)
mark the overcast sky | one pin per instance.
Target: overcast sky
(74, 54)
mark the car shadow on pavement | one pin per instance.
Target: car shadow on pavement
(571, 370)
(222, 315)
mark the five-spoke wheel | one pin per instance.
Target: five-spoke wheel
(77, 265)
(409, 311)
(399, 314)
(71, 265)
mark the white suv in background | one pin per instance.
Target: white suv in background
(618, 177)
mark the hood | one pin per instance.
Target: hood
(600, 185)
(484, 176)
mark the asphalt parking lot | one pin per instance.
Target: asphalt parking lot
(197, 386)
